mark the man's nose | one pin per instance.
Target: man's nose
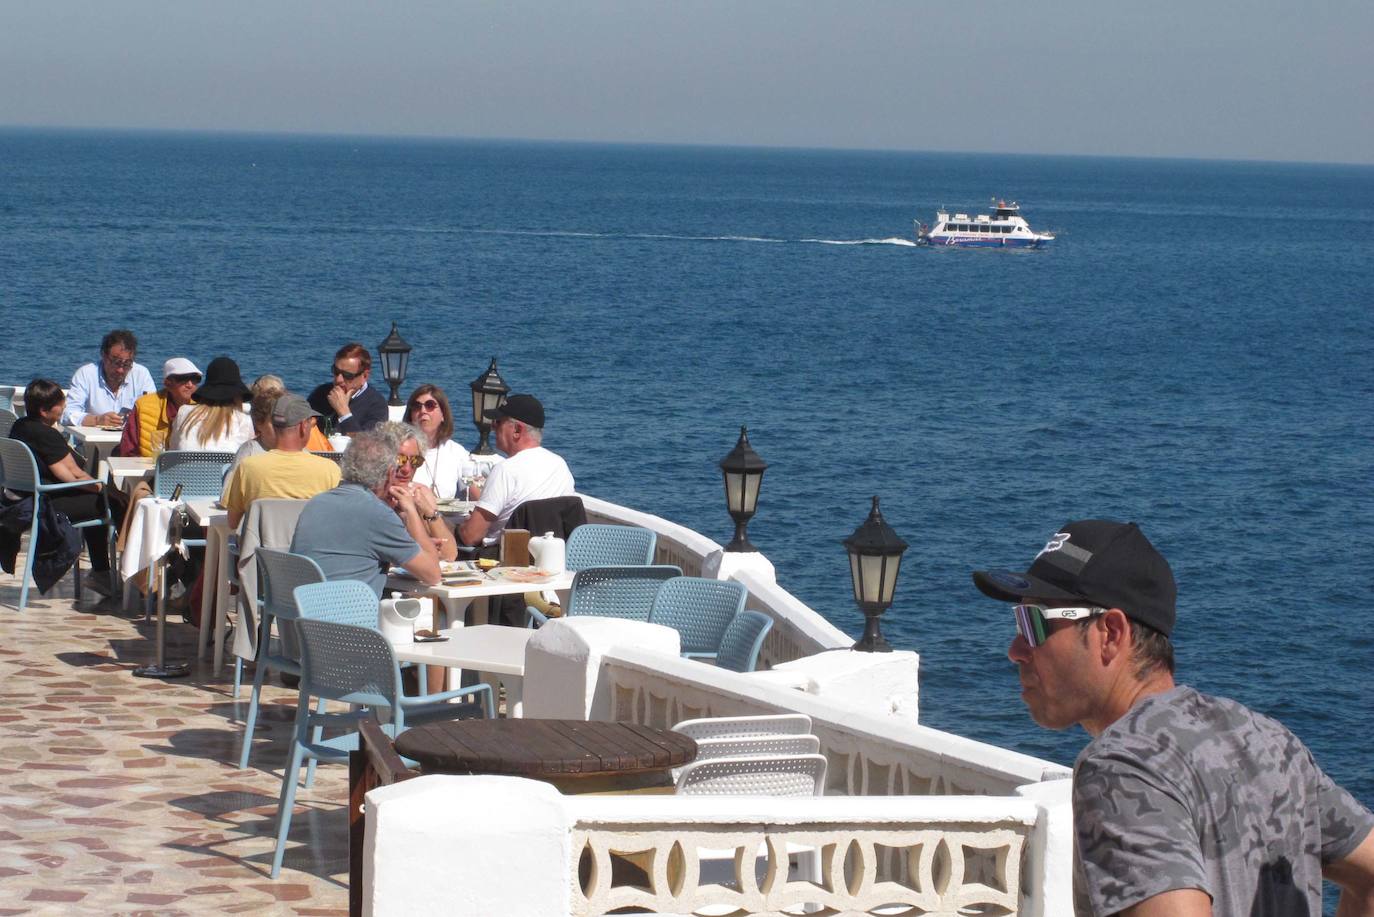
(1019, 651)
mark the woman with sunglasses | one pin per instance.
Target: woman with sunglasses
(404, 486)
(428, 409)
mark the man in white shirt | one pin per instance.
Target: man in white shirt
(102, 393)
(530, 471)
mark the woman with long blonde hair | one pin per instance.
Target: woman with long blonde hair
(217, 422)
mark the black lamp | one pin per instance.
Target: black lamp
(395, 356)
(743, 473)
(489, 390)
(875, 556)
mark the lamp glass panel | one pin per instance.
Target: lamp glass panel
(890, 578)
(855, 577)
(402, 360)
(477, 403)
(871, 574)
(734, 491)
(751, 492)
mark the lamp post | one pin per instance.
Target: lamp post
(488, 391)
(395, 354)
(875, 555)
(743, 471)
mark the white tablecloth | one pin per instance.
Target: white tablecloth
(147, 535)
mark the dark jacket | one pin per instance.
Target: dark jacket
(59, 542)
(369, 409)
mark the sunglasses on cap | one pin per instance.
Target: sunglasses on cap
(430, 405)
(414, 461)
(1032, 621)
(348, 376)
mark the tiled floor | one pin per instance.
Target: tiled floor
(121, 795)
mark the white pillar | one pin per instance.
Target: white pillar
(563, 663)
(1048, 877)
(878, 684)
(467, 845)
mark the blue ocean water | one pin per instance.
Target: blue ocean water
(1193, 353)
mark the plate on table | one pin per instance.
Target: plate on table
(108, 428)
(453, 506)
(521, 575)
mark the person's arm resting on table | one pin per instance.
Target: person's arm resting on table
(475, 526)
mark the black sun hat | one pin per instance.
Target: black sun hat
(1111, 564)
(223, 384)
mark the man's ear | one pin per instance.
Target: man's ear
(1115, 629)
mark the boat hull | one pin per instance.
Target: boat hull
(966, 242)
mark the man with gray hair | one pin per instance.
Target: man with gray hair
(371, 521)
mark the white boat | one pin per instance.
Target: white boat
(1003, 228)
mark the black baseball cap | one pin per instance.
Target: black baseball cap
(1111, 564)
(524, 408)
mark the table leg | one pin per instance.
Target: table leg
(161, 668)
(207, 595)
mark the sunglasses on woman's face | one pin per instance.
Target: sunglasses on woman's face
(430, 405)
(414, 461)
(1033, 621)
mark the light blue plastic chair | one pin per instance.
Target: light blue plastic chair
(353, 665)
(201, 476)
(614, 592)
(7, 419)
(597, 545)
(743, 639)
(700, 610)
(19, 472)
(279, 573)
(335, 457)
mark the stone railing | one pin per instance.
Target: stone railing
(797, 629)
(869, 752)
(484, 845)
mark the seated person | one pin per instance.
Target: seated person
(287, 471)
(44, 404)
(348, 404)
(102, 393)
(264, 392)
(428, 409)
(353, 532)
(149, 424)
(407, 442)
(530, 472)
(216, 423)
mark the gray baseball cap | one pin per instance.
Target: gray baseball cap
(290, 409)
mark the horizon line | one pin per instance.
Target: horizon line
(554, 141)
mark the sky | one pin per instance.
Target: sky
(1260, 79)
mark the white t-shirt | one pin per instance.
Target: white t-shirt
(240, 431)
(442, 468)
(534, 474)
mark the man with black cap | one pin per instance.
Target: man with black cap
(1184, 804)
(530, 472)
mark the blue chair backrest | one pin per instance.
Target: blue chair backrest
(18, 468)
(739, 648)
(348, 663)
(596, 545)
(699, 609)
(279, 573)
(343, 601)
(7, 419)
(200, 474)
(617, 592)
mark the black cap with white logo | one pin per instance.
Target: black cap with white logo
(1111, 564)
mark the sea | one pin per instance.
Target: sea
(1194, 352)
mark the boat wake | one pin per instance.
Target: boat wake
(553, 233)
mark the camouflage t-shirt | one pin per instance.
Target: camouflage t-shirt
(1192, 791)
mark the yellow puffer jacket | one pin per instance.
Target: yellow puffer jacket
(153, 422)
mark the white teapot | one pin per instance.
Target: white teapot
(550, 554)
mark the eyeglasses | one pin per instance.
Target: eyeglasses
(1032, 621)
(414, 461)
(348, 376)
(183, 378)
(430, 405)
(120, 364)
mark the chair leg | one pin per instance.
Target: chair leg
(238, 675)
(259, 673)
(315, 736)
(27, 574)
(287, 801)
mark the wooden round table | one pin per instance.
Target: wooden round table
(575, 756)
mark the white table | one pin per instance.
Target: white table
(454, 600)
(214, 590)
(126, 471)
(495, 652)
(96, 443)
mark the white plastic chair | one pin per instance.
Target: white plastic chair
(742, 727)
(753, 746)
(755, 775)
